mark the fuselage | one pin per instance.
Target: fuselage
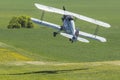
(69, 25)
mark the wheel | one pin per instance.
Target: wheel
(71, 40)
(54, 34)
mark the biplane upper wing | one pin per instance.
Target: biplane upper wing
(81, 17)
(99, 38)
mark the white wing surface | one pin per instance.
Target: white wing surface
(48, 24)
(70, 36)
(59, 11)
(101, 39)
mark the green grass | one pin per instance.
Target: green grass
(52, 71)
(38, 43)
(59, 48)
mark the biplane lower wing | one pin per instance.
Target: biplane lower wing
(101, 39)
(78, 38)
(45, 23)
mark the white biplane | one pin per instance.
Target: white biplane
(68, 28)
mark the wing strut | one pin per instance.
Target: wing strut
(64, 8)
(96, 30)
(42, 16)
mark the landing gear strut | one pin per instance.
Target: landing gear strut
(54, 34)
(71, 40)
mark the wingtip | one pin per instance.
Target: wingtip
(109, 25)
(87, 41)
(106, 25)
(36, 4)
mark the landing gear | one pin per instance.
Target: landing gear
(54, 34)
(71, 40)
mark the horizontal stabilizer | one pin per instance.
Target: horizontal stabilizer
(44, 23)
(78, 38)
(101, 39)
(81, 17)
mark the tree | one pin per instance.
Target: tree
(20, 22)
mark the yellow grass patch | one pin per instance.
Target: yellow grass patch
(8, 55)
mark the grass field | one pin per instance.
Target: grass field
(33, 54)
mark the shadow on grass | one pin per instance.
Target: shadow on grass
(48, 72)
